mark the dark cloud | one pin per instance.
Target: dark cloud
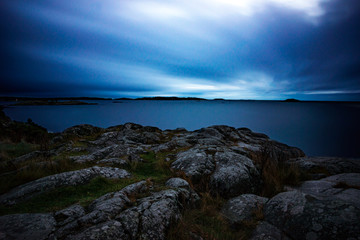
(69, 48)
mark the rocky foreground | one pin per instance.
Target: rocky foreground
(235, 165)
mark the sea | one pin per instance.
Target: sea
(318, 128)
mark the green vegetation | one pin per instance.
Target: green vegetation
(153, 167)
(208, 222)
(66, 196)
(10, 150)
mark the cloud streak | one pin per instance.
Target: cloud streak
(259, 49)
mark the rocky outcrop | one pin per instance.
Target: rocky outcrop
(320, 167)
(344, 187)
(215, 161)
(234, 174)
(31, 189)
(82, 130)
(116, 216)
(300, 215)
(155, 214)
(195, 163)
(243, 208)
(113, 216)
(318, 209)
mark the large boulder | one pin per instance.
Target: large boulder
(78, 177)
(234, 174)
(243, 208)
(345, 187)
(177, 183)
(195, 163)
(26, 226)
(153, 215)
(303, 216)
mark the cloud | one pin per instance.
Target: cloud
(213, 48)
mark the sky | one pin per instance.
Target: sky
(232, 49)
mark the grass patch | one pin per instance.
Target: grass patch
(154, 167)
(276, 173)
(10, 150)
(207, 222)
(36, 170)
(65, 196)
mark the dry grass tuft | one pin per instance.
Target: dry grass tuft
(276, 173)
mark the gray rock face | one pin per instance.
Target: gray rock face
(26, 226)
(112, 161)
(105, 231)
(266, 231)
(331, 165)
(177, 183)
(72, 178)
(100, 210)
(154, 214)
(69, 214)
(109, 152)
(234, 174)
(242, 208)
(195, 163)
(300, 216)
(112, 216)
(82, 130)
(258, 143)
(345, 187)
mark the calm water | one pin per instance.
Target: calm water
(319, 129)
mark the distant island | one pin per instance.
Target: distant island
(46, 102)
(164, 98)
(291, 100)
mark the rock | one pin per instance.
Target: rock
(195, 163)
(177, 183)
(300, 216)
(104, 231)
(328, 165)
(112, 161)
(243, 208)
(261, 145)
(266, 231)
(82, 130)
(31, 189)
(112, 217)
(109, 152)
(345, 187)
(350, 179)
(234, 174)
(26, 226)
(69, 214)
(153, 215)
(101, 210)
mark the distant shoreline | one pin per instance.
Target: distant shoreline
(51, 103)
(76, 100)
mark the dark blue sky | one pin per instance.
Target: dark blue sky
(249, 49)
